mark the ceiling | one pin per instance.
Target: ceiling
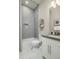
(32, 3)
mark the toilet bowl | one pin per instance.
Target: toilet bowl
(36, 43)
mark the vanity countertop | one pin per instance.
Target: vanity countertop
(51, 36)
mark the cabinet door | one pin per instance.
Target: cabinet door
(48, 42)
(46, 47)
(50, 48)
(55, 49)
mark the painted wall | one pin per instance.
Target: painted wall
(44, 13)
(27, 22)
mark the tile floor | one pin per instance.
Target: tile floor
(29, 53)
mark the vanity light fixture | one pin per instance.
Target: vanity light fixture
(55, 3)
(58, 2)
(26, 2)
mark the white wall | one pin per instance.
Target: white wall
(27, 18)
(44, 13)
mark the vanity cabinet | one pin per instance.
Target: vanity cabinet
(50, 48)
(55, 49)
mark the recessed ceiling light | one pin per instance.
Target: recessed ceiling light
(26, 2)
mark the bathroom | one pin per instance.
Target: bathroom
(39, 28)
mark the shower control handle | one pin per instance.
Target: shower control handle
(26, 24)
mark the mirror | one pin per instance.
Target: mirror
(54, 19)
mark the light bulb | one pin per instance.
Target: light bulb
(26, 2)
(58, 2)
(53, 4)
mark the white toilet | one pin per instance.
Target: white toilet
(36, 43)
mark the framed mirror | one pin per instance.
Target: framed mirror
(54, 20)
